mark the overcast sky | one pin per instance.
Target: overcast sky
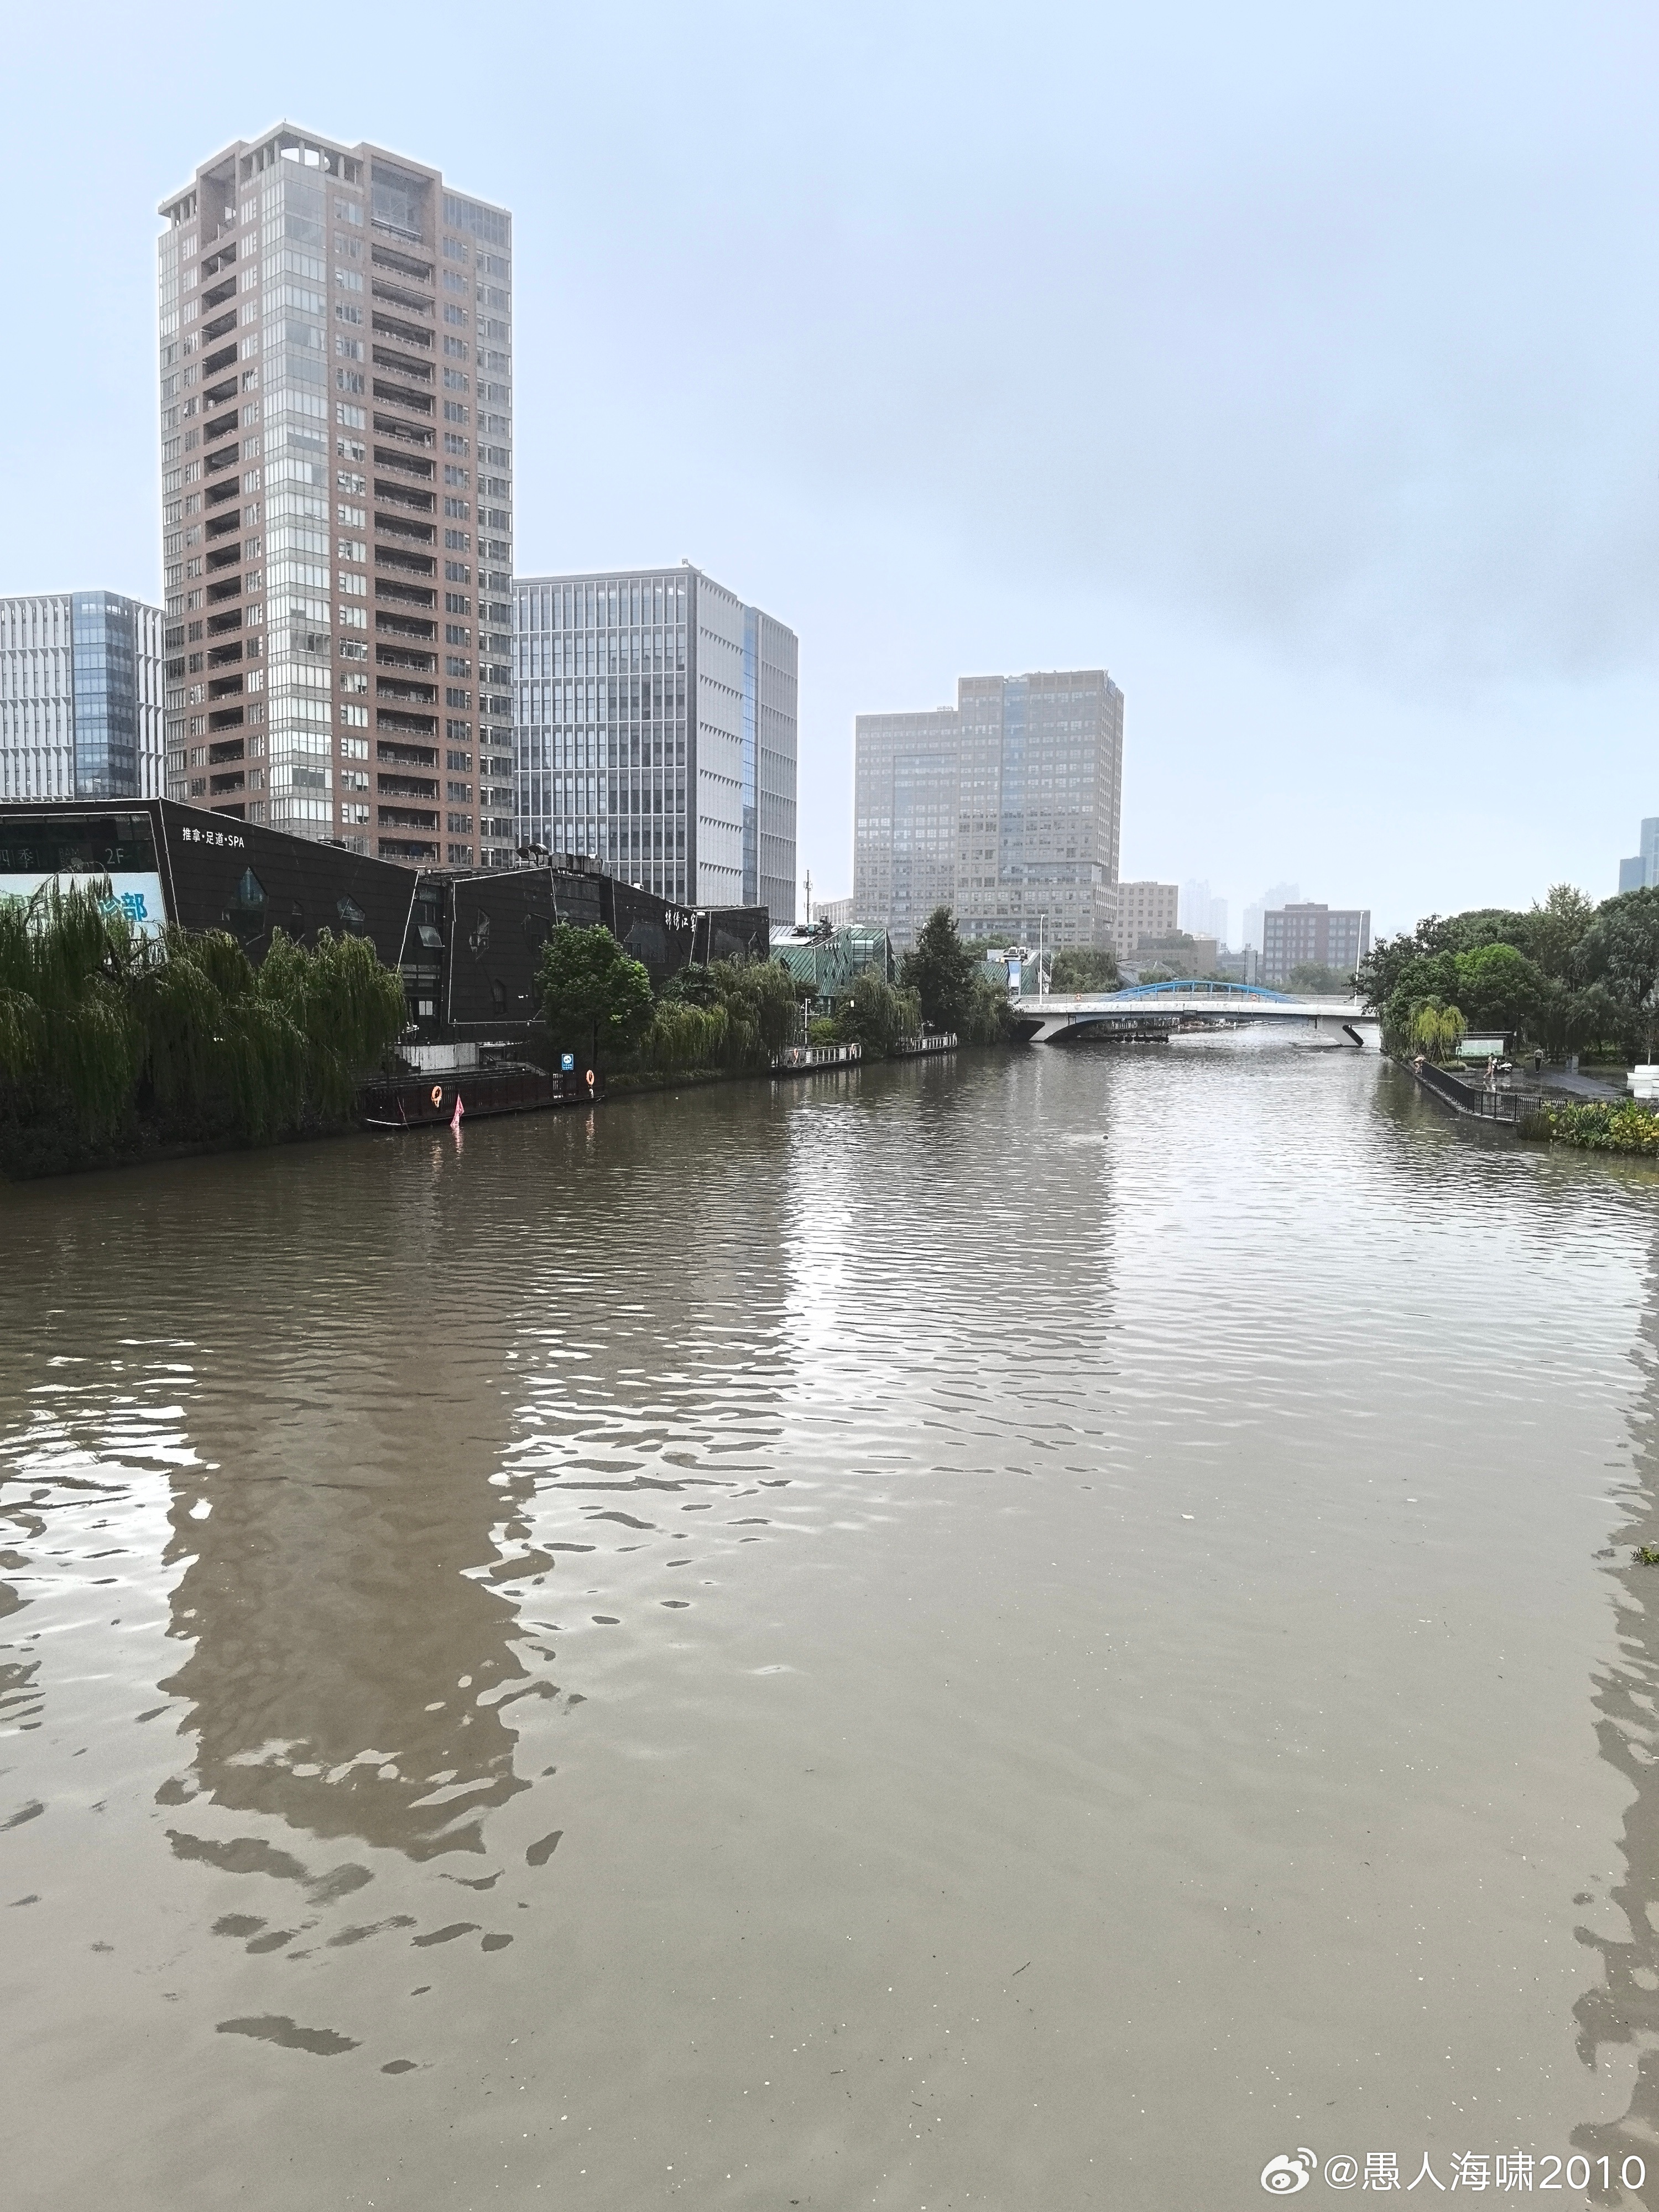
(1296, 363)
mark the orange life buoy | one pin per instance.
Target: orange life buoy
(590, 1081)
(437, 1094)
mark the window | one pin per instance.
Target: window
(452, 761)
(458, 634)
(345, 312)
(459, 510)
(355, 517)
(350, 418)
(351, 349)
(453, 411)
(347, 482)
(456, 316)
(456, 350)
(349, 379)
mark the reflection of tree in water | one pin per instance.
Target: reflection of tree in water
(1624, 2008)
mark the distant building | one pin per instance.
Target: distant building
(833, 959)
(1145, 910)
(1006, 808)
(1181, 952)
(1201, 915)
(1334, 937)
(80, 696)
(656, 729)
(836, 912)
(1279, 895)
(1641, 872)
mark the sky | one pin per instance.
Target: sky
(1296, 364)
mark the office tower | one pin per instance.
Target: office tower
(1144, 909)
(1334, 937)
(1641, 872)
(1004, 807)
(336, 489)
(80, 696)
(655, 728)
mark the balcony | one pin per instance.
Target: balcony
(230, 589)
(395, 296)
(221, 525)
(220, 293)
(226, 458)
(215, 362)
(417, 725)
(412, 564)
(218, 327)
(392, 326)
(226, 687)
(415, 695)
(232, 619)
(220, 493)
(408, 757)
(390, 625)
(395, 656)
(408, 533)
(406, 848)
(230, 750)
(221, 428)
(219, 394)
(227, 718)
(228, 556)
(392, 395)
(406, 465)
(407, 818)
(406, 495)
(220, 784)
(411, 595)
(402, 264)
(412, 434)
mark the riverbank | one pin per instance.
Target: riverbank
(1603, 1123)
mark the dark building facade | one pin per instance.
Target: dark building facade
(468, 943)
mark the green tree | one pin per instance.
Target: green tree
(942, 972)
(1620, 951)
(1557, 927)
(1320, 980)
(762, 1012)
(1436, 1028)
(877, 1016)
(1500, 988)
(1084, 967)
(592, 991)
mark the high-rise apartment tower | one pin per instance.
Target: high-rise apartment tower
(80, 696)
(1005, 807)
(337, 499)
(656, 729)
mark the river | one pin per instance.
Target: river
(1036, 1632)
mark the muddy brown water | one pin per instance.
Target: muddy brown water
(1037, 1631)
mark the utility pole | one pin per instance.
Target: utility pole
(809, 896)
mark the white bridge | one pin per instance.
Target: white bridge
(1158, 1007)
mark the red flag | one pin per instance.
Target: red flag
(455, 1118)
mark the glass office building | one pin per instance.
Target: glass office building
(336, 479)
(80, 696)
(1005, 807)
(655, 729)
